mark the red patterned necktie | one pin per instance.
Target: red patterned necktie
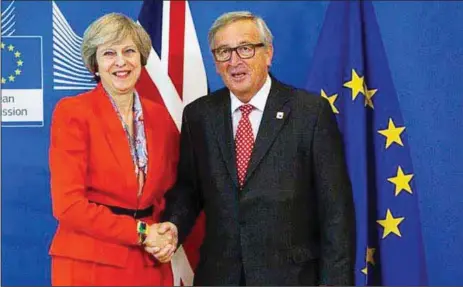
(244, 142)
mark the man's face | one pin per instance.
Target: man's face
(244, 77)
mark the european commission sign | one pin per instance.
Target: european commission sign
(22, 81)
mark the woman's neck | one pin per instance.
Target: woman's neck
(124, 103)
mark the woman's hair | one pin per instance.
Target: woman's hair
(113, 28)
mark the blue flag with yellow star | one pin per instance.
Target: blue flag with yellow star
(351, 71)
(21, 62)
(22, 81)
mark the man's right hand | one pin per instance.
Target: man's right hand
(162, 241)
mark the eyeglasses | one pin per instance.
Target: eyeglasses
(245, 51)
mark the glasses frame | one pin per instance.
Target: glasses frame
(235, 49)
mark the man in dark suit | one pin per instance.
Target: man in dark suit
(265, 162)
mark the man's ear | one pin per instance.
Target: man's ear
(269, 54)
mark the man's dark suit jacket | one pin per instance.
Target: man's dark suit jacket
(293, 223)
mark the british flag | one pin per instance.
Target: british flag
(175, 76)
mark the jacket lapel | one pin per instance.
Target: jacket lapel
(155, 149)
(224, 133)
(276, 113)
(115, 135)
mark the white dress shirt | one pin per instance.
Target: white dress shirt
(258, 101)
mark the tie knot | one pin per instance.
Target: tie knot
(246, 109)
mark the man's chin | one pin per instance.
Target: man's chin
(238, 90)
(239, 86)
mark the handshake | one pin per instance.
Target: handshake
(161, 241)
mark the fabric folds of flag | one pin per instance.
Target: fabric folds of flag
(174, 76)
(351, 71)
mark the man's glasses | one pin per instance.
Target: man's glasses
(245, 51)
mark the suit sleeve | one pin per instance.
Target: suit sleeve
(68, 158)
(335, 202)
(184, 201)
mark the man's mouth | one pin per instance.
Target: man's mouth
(238, 75)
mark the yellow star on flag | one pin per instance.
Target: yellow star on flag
(19, 63)
(370, 255)
(3, 45)
(355, 84)
(331, 99)
(368, 96)
(11, 78)
(390, 224)
(3, 80)
(17, 72)
(365, 270)
(401, 181)
(10, 48)
(392, 134)
(17, 54)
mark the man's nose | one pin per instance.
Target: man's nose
(234, 58)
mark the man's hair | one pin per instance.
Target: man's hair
(231, 17)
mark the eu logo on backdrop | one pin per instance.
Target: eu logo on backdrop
(22, 81)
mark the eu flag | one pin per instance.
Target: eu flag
(21, 81)
(21, 62)
(350, 70)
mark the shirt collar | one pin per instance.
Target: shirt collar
(258, 101)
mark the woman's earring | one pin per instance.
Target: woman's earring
(97, 74)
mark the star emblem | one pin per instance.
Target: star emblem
(390, 224)
(331, 99)
(401, 181)
(356, 84)
(392, 134)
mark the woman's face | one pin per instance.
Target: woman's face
(119, 66)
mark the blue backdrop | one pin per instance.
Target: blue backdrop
(423, 43)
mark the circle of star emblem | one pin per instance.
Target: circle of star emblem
(16, 56)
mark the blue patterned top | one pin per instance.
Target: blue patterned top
(137, 143)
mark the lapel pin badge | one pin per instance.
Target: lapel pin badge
(280, 115)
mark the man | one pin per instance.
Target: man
(265, 162)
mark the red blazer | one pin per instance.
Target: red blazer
(90, 160)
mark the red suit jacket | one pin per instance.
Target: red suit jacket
(90, 161)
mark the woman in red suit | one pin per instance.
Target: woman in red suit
(113, 154)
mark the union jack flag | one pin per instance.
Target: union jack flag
(175, 76)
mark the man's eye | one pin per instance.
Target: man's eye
(245, 48)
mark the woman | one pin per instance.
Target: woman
(113, 154)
